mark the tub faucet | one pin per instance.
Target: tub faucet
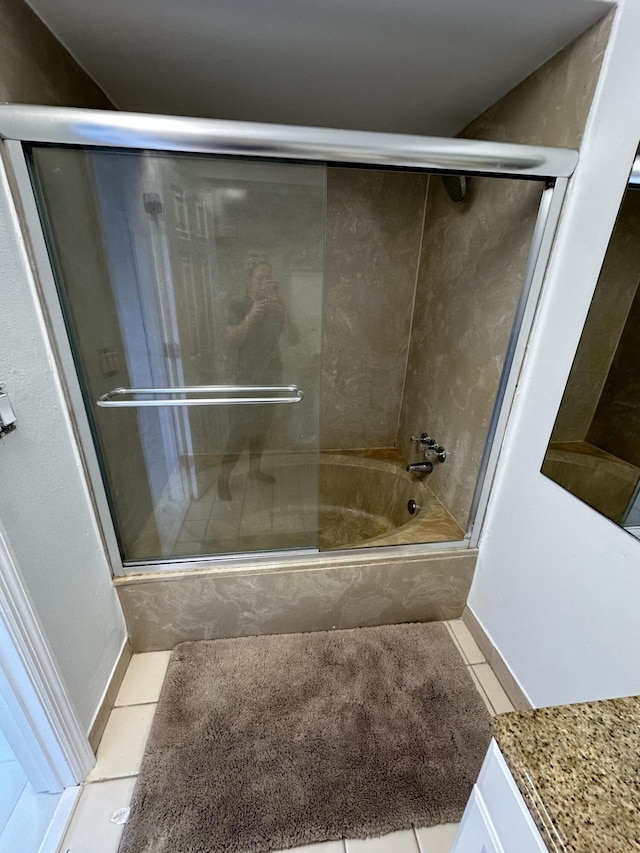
(433, 452)
(420, 467)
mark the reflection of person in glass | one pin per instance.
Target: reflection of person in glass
(255, 325)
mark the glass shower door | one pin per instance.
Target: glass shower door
(192, 291)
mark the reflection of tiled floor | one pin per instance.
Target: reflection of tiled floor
(276, 516)
(120, 752)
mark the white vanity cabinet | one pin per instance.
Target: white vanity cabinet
(496, 819)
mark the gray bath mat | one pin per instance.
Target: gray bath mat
(264, 743)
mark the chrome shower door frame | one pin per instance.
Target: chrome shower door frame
(105, 129)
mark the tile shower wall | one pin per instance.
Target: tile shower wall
(471, 266)
(374, 227)
(35, 68)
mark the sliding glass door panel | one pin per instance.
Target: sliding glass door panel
(192, 290)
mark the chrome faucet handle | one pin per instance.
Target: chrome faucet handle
(421, 439)
(440, 453)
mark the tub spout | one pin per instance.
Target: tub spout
(420, 467)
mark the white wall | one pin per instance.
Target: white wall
(44, 503)
(557, 586)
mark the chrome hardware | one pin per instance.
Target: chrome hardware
(424, 441)
(420, 468)
(420, 439)
(439, 452)
(413, 507)
(433, 452)
(268, 395)
(7, 416)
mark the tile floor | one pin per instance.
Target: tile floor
(94, 827)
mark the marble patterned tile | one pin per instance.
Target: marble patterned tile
(471, 271)
(313, 594)
(373, 228)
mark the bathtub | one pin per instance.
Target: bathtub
(599, 479)
(365, 501)
(364, 497)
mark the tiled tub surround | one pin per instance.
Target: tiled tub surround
(314, 593)
(577, 769)
(471, 266)
(110, 785)
(599, 479)
(374, 224)
(471, 272)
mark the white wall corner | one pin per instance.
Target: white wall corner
(45, 503)
(557, 585)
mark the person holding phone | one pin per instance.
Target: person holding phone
(256, 324)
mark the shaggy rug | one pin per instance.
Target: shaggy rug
(263, 743)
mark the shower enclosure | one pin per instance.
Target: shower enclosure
(194, 275)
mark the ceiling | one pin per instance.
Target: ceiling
(415, 66)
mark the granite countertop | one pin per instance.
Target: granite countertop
(578, 769)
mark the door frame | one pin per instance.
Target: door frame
(44, 731)
(67, 126)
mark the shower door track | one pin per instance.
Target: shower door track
(111, 129)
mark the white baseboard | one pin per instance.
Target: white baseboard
(510, 685)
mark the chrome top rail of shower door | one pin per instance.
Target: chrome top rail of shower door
(114, 399)
(113, 129)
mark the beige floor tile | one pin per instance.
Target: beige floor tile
(447, 625)
(91, 829)
(200, 509)
(396, 842)
(187, 549)
(192, 530)
(323, 847)
(480, 690)
(122, 745)
(466, 642)
(437, 839)
(143, 680)
(255, 523)
(226, 509)
(493, 688)
(222, 527)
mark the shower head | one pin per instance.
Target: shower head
(456, 186)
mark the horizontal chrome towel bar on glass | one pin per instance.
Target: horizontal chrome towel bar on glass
(268, 395)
